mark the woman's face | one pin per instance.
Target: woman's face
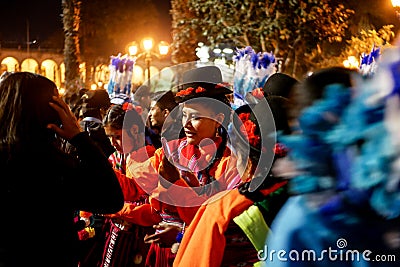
(125, 140)
(199, 122)
(115, 136)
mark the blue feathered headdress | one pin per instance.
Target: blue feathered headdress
(368, 62)
(251, 71)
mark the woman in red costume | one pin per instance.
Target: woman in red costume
(230, 229)
(185, 172)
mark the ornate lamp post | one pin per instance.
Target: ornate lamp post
(148, 53)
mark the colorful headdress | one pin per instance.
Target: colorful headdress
(368, 62)
(121, 71)
(251, 71)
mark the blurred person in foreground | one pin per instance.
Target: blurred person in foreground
(45, 185)
(345, 205)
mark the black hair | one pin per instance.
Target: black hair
(118, 118)
(218, 155)
(75, 101)
(165, 100)
(114, 117)
(312, 87)
(25, 111)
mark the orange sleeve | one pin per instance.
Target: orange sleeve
(203, 242)
(145, 173)
(187, 213)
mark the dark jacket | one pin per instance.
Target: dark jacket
(40, 191)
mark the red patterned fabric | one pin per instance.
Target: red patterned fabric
(125, 248)
(159, 256)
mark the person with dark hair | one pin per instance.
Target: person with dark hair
(95, 104)
(75, 101)
(279, 84)
(229, 229)
(282, 86)
(205, 165)
(311, 88)
(142, 99)
(120, 237)
(162, 116)
(90, 110)
(93, 107)
(126, 129)
(46, 185)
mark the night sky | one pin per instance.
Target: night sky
(43, 18)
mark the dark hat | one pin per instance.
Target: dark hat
(279, 84)
(165, 100)
(210, 74)
(96, 99)
(202, 82)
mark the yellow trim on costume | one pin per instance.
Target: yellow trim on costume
(252, 222)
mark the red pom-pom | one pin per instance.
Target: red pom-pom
(200, 89)
(248, 129)
(280, 150)
(258, 93)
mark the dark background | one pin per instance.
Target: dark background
(43, 17)
(45, 22)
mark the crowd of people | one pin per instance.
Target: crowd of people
(268, 170)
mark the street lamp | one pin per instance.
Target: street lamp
(351, 62)
(147, 44)
(396, 5)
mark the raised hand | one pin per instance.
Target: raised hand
(168, 172)
(165, 235)
(70, 126)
